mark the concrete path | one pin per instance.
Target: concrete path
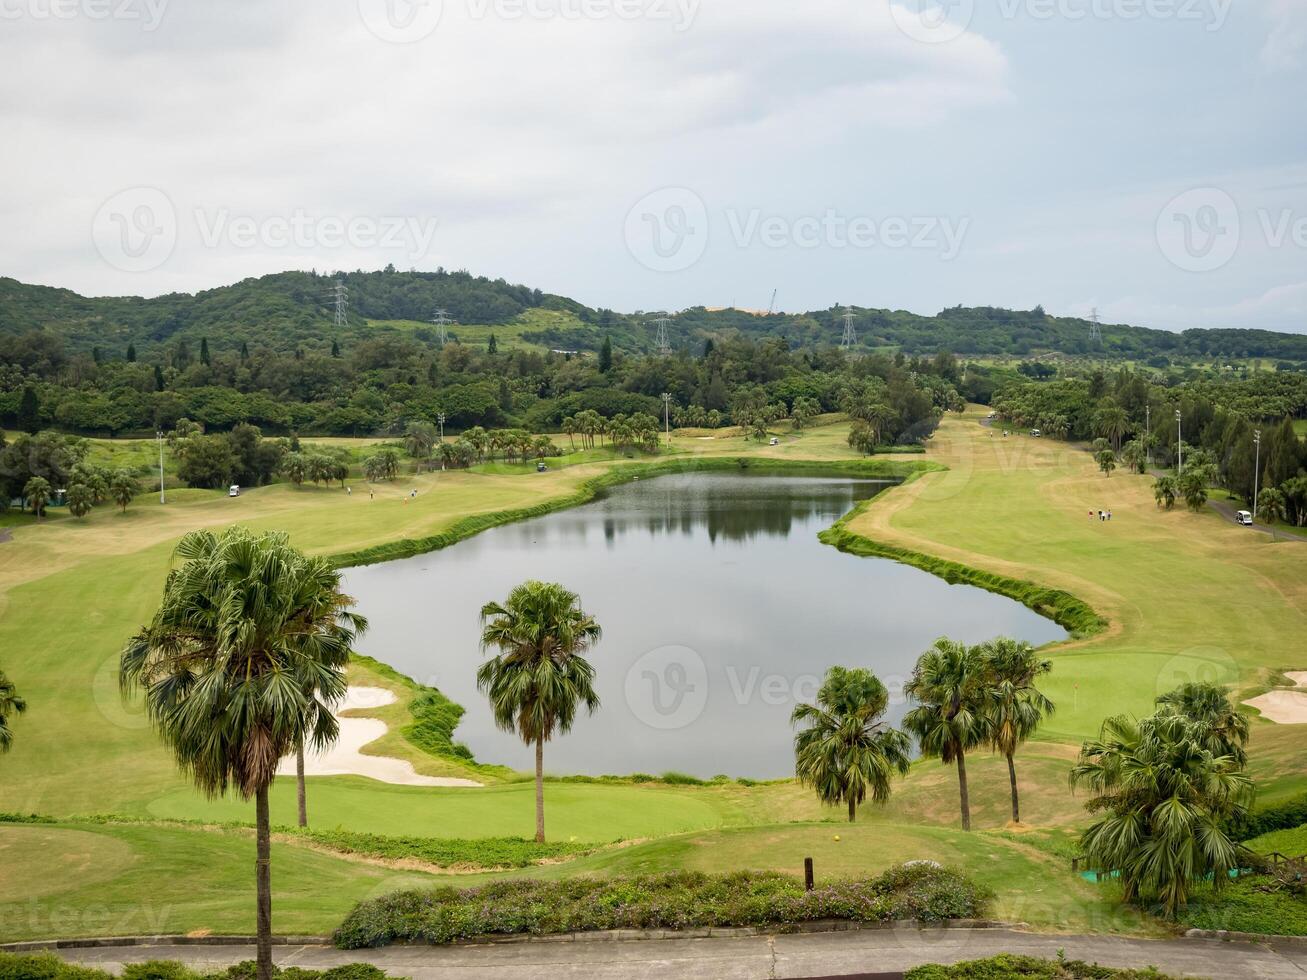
(812, 955)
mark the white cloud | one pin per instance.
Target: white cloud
(1287, 42)
(501, 129)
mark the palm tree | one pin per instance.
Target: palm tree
(10, 706)
(1165, 491)
(226, 665)
(1165, 801)
(80, 500)
(847, 752)
(1015, 705)
(1209, 706)
(949, 687)
(36, 492)
(123, 488)
(1112, 422)
(539, 677)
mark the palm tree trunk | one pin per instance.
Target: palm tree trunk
(962, 790)
(263, 884)
(299, 785)
(540, 791)
(853, 810)
(1012, 778)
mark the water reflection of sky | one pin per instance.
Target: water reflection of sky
(720, 610)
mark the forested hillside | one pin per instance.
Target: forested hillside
(295, 310)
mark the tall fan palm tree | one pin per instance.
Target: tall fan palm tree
(226, 667)
(1164, 801)
(540, 677)
(11, 705)
(948, 685)
(1225, 729)
(1014, 705)
(846, 752)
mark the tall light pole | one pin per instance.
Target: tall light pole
(1148, 437)
(158, 435)
(1179, 440)
(441, 419)
(1257, 470)
(667, 416)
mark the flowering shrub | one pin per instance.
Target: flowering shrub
(674, 900)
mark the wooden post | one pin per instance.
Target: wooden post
(807, 874)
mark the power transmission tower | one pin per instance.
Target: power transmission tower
(850, 332)
(1095, 328)
(771, 307)
(663, 343)
(442, 320)
(341, 295)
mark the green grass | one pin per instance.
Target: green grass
(1184, 596)
(1291, 843)
(89, 880)
(582, 812)
(507, 335)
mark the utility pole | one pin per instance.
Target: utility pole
(667, 416)
(1179, 441)
(1257, 470)
(441, 419)
(158, 435)
(442, 321)
(341, 295)
(663, 343)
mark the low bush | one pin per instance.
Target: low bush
(47, 966)
(1256, 903)
(675, 900)
(1009, 967)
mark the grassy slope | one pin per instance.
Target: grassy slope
(1172, 585)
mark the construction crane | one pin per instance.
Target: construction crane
(771, 307)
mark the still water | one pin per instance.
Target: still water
(721, 610)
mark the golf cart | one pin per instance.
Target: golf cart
(1244, 517)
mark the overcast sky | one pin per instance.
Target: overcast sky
(1145, 157)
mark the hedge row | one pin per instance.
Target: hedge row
(1009, 967)
(47, 966)
(1286, 816)
(1071, 613)
(675, 900)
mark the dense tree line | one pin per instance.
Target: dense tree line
(1218, 420)
(381, 384)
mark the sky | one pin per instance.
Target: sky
(1145, 158)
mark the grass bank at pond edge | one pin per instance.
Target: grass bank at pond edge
(1071, 613)
(625, 473)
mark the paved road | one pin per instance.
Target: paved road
(821, 955)
(1228, 510)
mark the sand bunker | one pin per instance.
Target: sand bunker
(1282, 707)
(345, 759)
(1299, 677)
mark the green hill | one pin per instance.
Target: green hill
(294, 310)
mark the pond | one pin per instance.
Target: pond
(720, 608)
